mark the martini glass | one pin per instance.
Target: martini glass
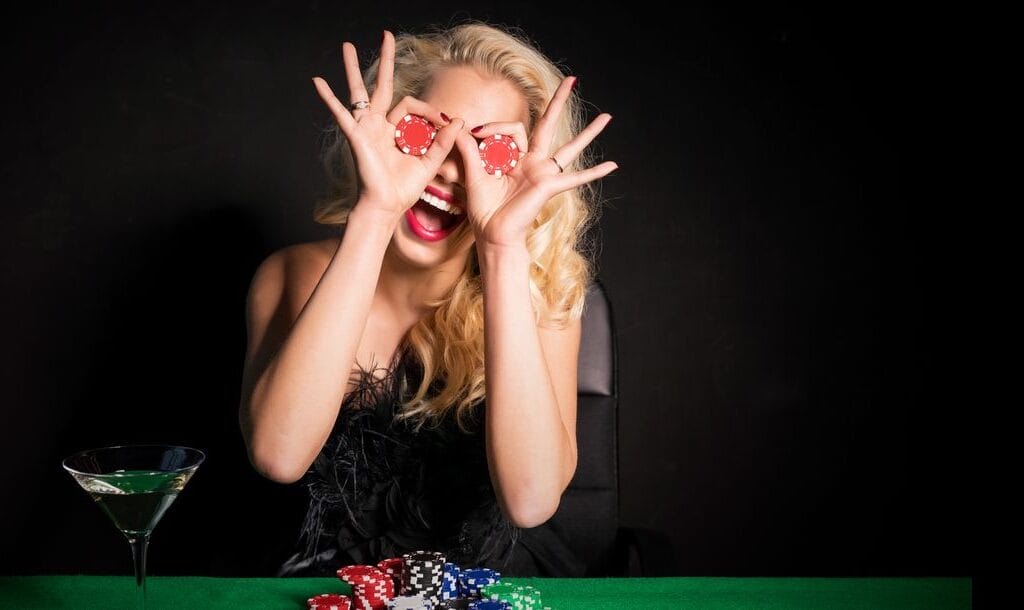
(135, 485)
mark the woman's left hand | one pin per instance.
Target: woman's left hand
(501, 209)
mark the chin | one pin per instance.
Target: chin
(425, 254)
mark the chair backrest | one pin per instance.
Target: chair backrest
(588, 515)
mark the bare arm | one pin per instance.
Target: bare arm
(290, 399)
(289, 406)
(530, 370)
(531, 393)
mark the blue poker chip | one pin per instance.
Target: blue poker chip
(450, 581)
(489, 604)
(480, 574)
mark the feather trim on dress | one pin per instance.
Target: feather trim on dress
(379, 489)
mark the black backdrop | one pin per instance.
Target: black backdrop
(759, 246)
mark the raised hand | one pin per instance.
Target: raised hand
(390, 181)
(502, 209)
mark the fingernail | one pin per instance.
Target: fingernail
(575, 80)
(446, 118)
(477, 128)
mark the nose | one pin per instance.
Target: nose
(450, 170)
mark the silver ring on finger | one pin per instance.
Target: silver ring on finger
(360, 105)
(558, 165)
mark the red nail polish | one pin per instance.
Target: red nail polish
(477, 128)
(446, 118)
(575, 80)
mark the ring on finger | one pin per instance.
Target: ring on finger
(360, 105)
(558, 165)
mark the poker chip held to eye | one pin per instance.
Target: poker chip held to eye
(498, 154)
(414, 134)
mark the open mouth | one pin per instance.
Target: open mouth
(433, 218)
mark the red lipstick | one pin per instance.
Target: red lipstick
(424, 233)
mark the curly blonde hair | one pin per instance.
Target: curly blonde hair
(449, 342)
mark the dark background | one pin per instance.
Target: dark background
(780, 412)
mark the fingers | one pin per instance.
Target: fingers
(470, 151)
(411, 105)
(544, 130)
(573, 148)
(356, 87)
(443, 143)
(564, 182)
(341, 114)
(385, 88)
(517, 130)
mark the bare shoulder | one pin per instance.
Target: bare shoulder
(309, 258)
(290, 274)
(280, 288)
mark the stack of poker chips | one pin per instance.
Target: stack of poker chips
(371, 587)
(409, 602)
(450, 582)
(393, 568)
(329, 601)
(473, 580)
(426, 581)
(423, 573)
(518, 597)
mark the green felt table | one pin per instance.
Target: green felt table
(195, 592)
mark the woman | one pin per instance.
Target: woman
(464, 438)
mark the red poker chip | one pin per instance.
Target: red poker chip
(368, 579)
(329, 601)
(393, 568)
(361, 573)
(414, 134)
(389, 564)
(498, 154)
(374, 590)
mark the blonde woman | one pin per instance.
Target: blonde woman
(418, 372)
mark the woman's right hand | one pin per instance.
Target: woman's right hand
(390, 181)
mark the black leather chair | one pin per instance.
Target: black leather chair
(589, 511)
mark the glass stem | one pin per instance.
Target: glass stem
(140, 544)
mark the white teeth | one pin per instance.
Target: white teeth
(440, 204)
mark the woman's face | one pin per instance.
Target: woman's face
(459, 92)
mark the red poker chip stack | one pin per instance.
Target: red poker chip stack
(393, 568)
(329, 601)
(371, 587)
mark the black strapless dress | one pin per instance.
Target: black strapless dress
(379, 489)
